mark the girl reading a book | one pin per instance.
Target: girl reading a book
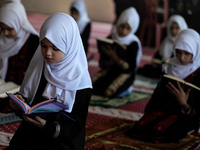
(58, 70)
(118, 66)
(175, 24)
(78, 11)
(173, 112)
(18, 42)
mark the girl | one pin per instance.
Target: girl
(117, 74)
(79, 13)
(18, 42)
(175, 24)
(58, 70)
(171, 114)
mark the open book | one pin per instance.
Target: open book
(169, 78)
(47, 106)
(9, 87)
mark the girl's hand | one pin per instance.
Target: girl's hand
(181, 96)
(13, 105)
(37, 121)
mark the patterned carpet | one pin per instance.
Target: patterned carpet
(111, 135)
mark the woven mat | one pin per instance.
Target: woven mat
(7, 118)
(118, 102)
(110, 135)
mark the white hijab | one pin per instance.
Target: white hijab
(130, 16)
(8, 1)
(166, 48)
(13, 15)
(187, 40)
(63, 78)
(82, 22)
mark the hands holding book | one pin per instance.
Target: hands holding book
(13, 105)
(37, 121)
(180, 94)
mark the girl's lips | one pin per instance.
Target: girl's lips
(49, 59)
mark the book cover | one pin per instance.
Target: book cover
(103, 42)
(185, 85)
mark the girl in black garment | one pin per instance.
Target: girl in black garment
(58, 70)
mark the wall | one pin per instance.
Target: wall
(98, 10)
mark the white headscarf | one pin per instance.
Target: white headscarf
(63, 78)
(166, 48)
(187, 40)
(8, 1)
(83, 20)
(130, 16)
(13, 15)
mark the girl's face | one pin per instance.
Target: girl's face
(51, 54)
(124, 29)
(174, 29)
(75, 14)
(8, 31)
(183, 56)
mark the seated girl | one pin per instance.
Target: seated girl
(173, 112)
(175, 24)
(18, 42)
(58, 70)
(118, 69)
(78, 11)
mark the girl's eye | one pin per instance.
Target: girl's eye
(55, 49)
(10, 29)
(43, 46)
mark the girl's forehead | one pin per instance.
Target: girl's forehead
(183, 51)
(125, 24)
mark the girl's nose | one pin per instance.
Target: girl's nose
(6, 32)
(182, 58)
(48, 52)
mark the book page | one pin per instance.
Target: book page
(9, 87)
(192, 85)
(50, 105)
(110, 41)
(174, 78)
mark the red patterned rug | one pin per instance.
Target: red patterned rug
(110, 135)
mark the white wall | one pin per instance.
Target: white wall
(98, 10)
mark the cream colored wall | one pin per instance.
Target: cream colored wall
(98, 10)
